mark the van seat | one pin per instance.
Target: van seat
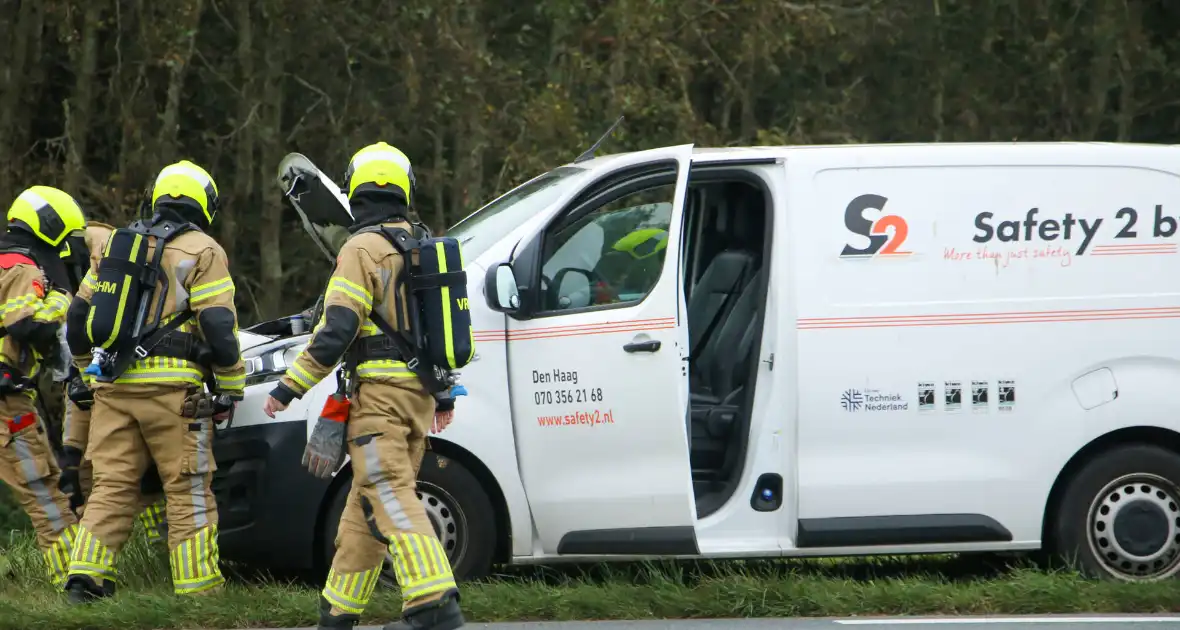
(715, 294)
(720, 370)
(716, 397)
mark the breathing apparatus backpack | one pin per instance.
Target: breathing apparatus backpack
(124, 289)
(440, 337)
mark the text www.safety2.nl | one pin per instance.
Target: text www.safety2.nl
(578, 418)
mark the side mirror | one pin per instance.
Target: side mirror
(501, 290)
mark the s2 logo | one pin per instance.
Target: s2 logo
(881, 241)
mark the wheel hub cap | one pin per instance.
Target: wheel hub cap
(1134, 527)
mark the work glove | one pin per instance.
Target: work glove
(70, 483)
(199, 405)
(78, 392)
(326, 446)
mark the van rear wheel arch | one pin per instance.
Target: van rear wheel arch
(1114, 510)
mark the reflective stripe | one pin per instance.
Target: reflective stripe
(231, 382)
(181, 169)
(57, 557)
(376, 478)
(189, 376)
(195, 563)
(53, 308)
(397, 157)
(197, 482)
(91, 557)
(369, 329)
(20, 303)
(351, 592)
(421, 565)
(89, 280)
(349, 289)
(383, 367)
(33, 199)
(203, 292)
(153, 519)
(302, 377)
(36, 483)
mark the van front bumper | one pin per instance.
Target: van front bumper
(268, 505)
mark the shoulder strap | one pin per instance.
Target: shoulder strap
(424, 372)
(163, 231)
(404, 243)
(123, 360)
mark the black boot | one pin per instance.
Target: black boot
(443, 614)
(328, 621)
(82, 589)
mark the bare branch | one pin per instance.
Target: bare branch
(795, 7)
(250, 119)
(299, 123)
(323, 96)
(217, 10)
(212, 70)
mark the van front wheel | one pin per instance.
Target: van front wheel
(1119, 518)
(458, 508)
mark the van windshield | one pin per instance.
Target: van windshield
(484, 227)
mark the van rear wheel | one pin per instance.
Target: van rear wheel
(1119, 517)
(458, 509)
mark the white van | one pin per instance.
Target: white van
(783, 351)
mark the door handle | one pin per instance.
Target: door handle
(643, 346)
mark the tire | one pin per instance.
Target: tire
(458, 508)
(1119, 517)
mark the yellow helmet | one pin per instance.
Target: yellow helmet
(50, 214)
(185, 180)
(377, 167)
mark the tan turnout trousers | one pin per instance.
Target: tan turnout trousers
(77, 420)
(387, 429)
(134, 425)
(28, 467)
(76, 430)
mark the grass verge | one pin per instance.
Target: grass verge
(878, 586)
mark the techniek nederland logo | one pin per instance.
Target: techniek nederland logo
(851, 400)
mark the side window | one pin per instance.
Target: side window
(613, 254)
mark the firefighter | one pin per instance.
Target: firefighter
(143, 407)
(43, 238)
(388, 416)
(77, 472)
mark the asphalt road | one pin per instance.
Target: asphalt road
(1055, 622)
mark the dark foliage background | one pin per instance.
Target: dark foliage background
(96, 95)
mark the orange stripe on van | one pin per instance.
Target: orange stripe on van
(974, 319)
(582, 330)
(1137, 249)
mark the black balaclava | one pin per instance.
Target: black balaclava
(374, 207)
(183, 210)
(47, 257)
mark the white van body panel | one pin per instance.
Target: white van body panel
(954, 376)
(1035, 316)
